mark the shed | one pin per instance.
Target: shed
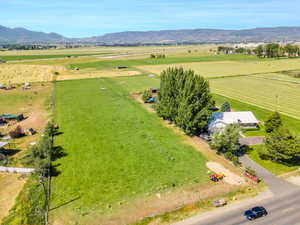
(220, 120)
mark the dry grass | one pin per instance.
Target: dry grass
(19, 73)
(75, 75)
(11, 185)
(227, 68)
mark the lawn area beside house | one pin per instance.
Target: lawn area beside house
(273, 167)
(116, 152)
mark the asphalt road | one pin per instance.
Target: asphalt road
(283, 210)
(283, 206)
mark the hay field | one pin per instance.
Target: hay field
(19, 73)
(228, 68)
(261, 92)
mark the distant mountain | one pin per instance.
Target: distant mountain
(202, 36)
(21, 35)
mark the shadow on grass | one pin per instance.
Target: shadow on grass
(66, 203)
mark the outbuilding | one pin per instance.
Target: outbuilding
(220, 120)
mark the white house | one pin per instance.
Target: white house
(220, 120)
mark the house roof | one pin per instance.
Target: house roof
(221, 119)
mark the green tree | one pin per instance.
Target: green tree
(227, 139)
(226, 107)
(273, 122)
(259, 51)
(282, 146)
(185, 99)
(195, 102)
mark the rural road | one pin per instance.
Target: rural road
(282, 204)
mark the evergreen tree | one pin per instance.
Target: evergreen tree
(282, 146)
(273, 122)
(226, 107)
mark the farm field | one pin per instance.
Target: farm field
(262, 114)
(261, 92)
(117, 152)
(279, 77)
(173, 59)
(19, 73)
(228, 68)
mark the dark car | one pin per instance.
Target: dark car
(255, 213)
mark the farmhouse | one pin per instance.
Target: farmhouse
(220, 120)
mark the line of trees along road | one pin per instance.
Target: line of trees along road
(272, 50)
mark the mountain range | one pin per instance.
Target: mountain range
(275, 34)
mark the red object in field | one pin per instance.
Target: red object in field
(254, 178)
(216, 177)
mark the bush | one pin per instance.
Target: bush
(233, 158)
(273, 122)
(225, 107)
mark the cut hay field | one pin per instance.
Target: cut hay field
(19, 73)
(261, 92)
(229, 68)
(117, 152)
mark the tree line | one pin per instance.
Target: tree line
(272, 50)
(185, 99)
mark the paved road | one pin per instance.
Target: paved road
(283, 210)
(283, 204)
(275, 184)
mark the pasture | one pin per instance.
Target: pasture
(266, 93)
(116, 152)
(228, 68)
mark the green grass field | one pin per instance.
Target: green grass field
(116, 150)
(32, 57)
(273, 167)
(108, 64)
(270, 94)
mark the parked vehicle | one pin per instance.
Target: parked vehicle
(255, 213)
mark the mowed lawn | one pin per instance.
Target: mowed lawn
(116, 151)
(267, 93)
(230, 66)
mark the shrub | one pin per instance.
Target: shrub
(225, 107)
(273, 122)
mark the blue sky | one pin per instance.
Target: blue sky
(83, 18)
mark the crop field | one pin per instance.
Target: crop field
(271, 94)
(279, 77)
(18, 73)
(106, 64)
(116, 151)
(229, 68)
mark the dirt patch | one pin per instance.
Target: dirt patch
(230, 177)
(148, 206)
(11, 185)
